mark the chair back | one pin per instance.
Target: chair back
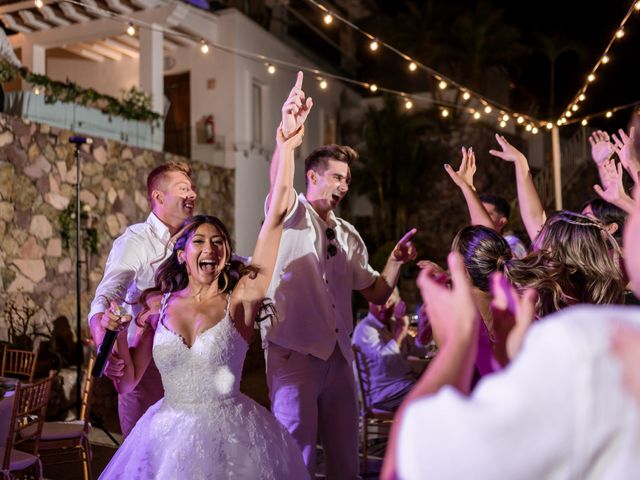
(28, 414)
(363, 391)
(19, 364)
(87, 392)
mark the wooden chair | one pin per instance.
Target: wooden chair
(68, 442)
(371, 420)
(27, 418)
(19, 363)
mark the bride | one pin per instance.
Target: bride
(197, 329)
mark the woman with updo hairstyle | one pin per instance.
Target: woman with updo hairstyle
(484, 252)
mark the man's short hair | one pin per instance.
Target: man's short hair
(318, 160)
(159, 173)
(499, 203)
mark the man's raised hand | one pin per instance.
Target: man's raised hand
(404, 250)
(508, 152)
(464, 175)
(296, 108)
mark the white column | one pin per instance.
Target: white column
(34, 58)
(557, 171)
(151, 65)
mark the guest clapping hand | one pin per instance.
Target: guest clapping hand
(627, 150)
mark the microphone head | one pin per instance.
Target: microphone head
(79, 140)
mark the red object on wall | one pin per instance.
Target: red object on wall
(210, 129)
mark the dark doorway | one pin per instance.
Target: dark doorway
(177, 124)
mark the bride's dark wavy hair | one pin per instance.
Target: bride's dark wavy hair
(172, 275)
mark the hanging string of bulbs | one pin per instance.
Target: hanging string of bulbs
(604, 59)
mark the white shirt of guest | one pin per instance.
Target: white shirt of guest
(386, 367)
(559, 411)
(312, 290)
(6, 50)
(132, 264)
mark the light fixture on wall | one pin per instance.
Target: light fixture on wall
(131, 29)
(39, 4)
(271, 68)
(204, 47)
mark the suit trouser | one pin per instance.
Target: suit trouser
(311, 396)
(132, 405)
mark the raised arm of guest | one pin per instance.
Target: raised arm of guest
(531, 210)
(295, 110)
(455, 321)
(463, 178)
(626, 146)
(612, 189)
(601, 150)
(381, 289)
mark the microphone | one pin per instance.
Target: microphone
(104, 350)
(78, 140)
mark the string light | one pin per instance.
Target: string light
(584, 122)
(620, 33)
(271, 68)
(503, 124)
(534, 130)
(582, 97)
(442, 85)
(528, 127)
(131, 30)
(563, 121)
(591, 77)
(444, 113)
(408, 104)
(505, 118)
(374, 45)
(323, 84)
(487, 109)
(476, 116)
(549, 125)
(466, 96)
(413, 66)
(204, 48)
(328, 19)
(609, 114)
(39, 4)
(36, 90)
(605, 59)
(637, 5)
(575, 107)
(520, 120)
(568, 114)
(373, 87)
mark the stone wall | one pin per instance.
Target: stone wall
(37, 187)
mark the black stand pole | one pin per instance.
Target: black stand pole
(79, 350)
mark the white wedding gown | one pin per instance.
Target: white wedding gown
(204, 428)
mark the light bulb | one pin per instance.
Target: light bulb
(637, 5)
(605, 59)
(575, 107)
(36, 90)
(568, 114)
(528, 127)
(328, 19)
(503, 124)
(534, 130)
(582, 97)
(445, 113)
(609, 114)
(373, 87)
(408, 104)
(442, 85)
(591, 77)
(620, 33)
(487, 109)
(373, 46)
(413, 66)
(323, 84)
(204, 48)
(584, 122)
(39, 4)
(520, 120)
(549, 126)
(476, 116)
(131, 30)
(505, 118)
(466, 96)
(563, 121)
(271, 69)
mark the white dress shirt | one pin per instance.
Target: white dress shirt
(132, 264)
(387, 370)
(558, 411)
(312, 290)
(6, 50)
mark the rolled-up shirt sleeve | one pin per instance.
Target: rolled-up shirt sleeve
(120, 271)
(6, 50)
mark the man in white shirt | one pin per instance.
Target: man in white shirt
(559, 411)
(321, 260)
(8, 55)
(131, 267)
(385, 344)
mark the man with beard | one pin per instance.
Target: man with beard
(321, 260)
(130, 269)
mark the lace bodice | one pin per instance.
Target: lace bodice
(210, 369)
